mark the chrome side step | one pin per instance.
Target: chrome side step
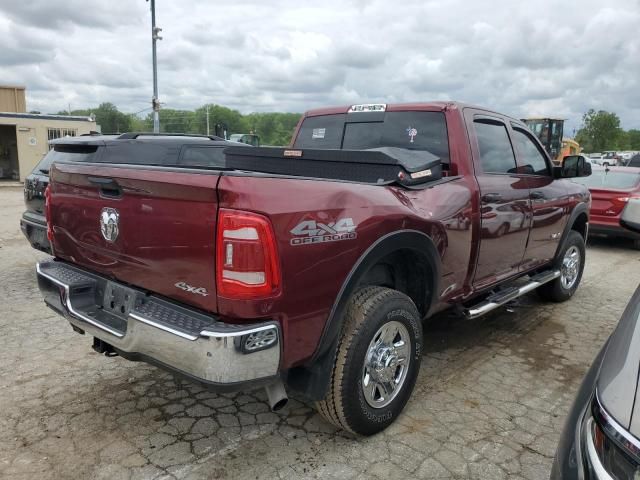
(504, 296)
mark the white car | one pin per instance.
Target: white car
(606, 160)
(594, 158)
(610, 158)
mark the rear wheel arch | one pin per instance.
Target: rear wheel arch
(390, 262)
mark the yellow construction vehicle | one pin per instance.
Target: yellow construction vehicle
(549, 132)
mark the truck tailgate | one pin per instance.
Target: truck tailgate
(166, 224)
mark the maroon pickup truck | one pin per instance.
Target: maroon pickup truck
(311, 266)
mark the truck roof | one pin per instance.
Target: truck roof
(433, 106)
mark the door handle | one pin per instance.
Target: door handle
(491, 198)
(537, 195)
(108, 186)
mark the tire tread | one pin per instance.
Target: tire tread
(363, 301)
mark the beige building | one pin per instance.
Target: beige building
(12, 99)
(24, 139)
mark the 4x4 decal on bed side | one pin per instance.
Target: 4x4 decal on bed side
(310, 231)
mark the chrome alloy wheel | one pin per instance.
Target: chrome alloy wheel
(386, 364)
(570, 267)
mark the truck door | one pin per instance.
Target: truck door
(504, 202)
(549, 202)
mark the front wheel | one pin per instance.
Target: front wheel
(377, 363)
(570, 263)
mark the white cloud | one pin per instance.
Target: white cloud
(551, 57)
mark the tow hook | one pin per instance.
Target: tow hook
(101, 346)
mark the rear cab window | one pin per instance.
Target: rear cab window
(420, 130)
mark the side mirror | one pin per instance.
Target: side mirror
(575, 166)
(630, 218)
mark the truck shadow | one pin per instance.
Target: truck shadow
(527, 329)
(610, 244)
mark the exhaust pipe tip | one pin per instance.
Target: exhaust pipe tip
(276, 396)
(279, 405)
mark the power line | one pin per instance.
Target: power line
(140, 111)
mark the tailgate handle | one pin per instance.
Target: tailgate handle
(108, 186)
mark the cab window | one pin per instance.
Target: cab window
(531, 157)
(496, 152)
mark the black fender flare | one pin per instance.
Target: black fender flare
(313, 380)
(577, 210)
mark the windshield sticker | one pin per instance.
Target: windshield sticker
(412, 132)
(318, 132)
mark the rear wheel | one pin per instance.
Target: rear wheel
(377, 363)
(570, 262)
(636, 244)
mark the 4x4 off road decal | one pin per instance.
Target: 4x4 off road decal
(310, 231)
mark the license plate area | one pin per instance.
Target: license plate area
(37, 235)
(118, 300)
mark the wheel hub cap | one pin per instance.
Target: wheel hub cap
(570, 267)
(386, 364)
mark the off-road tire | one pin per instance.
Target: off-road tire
(554, 291)
(344, 404)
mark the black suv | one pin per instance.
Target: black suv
(165, 149)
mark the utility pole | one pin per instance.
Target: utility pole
(207, 119)
(155, 102)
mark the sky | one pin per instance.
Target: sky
(522, 58)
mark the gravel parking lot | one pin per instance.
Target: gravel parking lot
(489, 402)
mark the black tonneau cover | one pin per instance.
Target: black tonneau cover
(381, 166)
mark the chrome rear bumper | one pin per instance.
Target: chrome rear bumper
(148, 328)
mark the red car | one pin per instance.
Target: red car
(310, 267)
(610, 190)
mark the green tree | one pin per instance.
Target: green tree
(110, 119)
(141, 124)
(600, 131)
(224, 117)
(176, 121)
(273, 128)
(633, 139)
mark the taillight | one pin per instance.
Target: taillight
(618, 204)
(247, 264)
(47, 212)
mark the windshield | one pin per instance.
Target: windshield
(602, 178)
(411, 130)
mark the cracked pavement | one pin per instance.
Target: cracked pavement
(489, 402)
